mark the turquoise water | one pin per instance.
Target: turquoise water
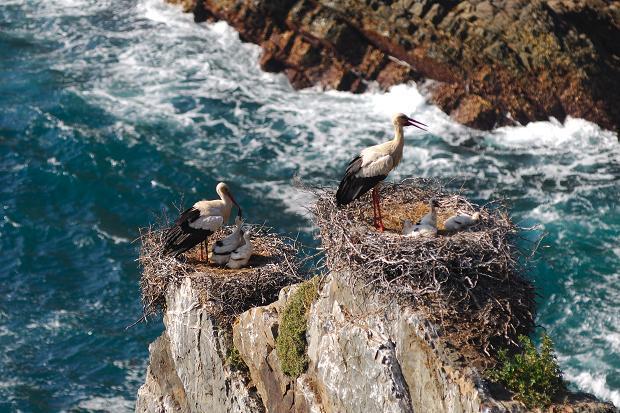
(112, 110)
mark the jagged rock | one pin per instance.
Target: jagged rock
(187, 5)
(163, 390)
(254, 335)
(367, 354)
(476, 112)
(188, 370)
(546, 58)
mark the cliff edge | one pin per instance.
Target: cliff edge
(365, 355)
(490, 62)
(396, 325)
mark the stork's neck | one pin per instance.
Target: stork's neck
(224, 196)
(399, 137)
(227, 203)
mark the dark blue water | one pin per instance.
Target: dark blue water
(111, 111)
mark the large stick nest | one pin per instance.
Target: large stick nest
(223, 291)
(468, 282)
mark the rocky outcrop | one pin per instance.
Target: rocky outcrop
(188, 371)
(492, 62)
(367, 354)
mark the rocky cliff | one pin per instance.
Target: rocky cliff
(491, 62)
(365, 355)
(396, 325)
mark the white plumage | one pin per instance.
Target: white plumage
(461, 221)
(376, 162)
(418, 230)
(213, 214)
(208, 222)
(197, 223)
(430, 219)
(372, 166)
(240, 257)
(220, 251)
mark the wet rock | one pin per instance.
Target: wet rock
(187, 5)
(550, 58)
(476, 112)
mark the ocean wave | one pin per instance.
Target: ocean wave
(595, 384)
(107, 404)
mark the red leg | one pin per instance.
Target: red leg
(377, 209)
(200, 246)
(374, 207)
(380, 227)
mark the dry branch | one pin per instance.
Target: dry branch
(224, 292)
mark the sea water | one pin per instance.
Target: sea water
(112, 111)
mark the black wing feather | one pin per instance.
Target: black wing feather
(189, 215)
(352, 187)
(180, 237)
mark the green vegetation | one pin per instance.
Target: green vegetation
(533, 376)
(233, 358)
(291, 342)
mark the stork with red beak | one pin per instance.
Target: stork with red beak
(196, 224)
(372, 166)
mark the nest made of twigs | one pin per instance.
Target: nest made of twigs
(224, 292)
(469, 282)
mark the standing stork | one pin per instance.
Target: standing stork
(195, 224)
(372, 166)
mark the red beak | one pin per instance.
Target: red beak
(239, 213)
(413, 122)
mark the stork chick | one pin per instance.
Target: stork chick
(220, 251)
(196, 224)
(461, 221)
(372, 166)
(240, 257)
(418, 230)
(431, 217)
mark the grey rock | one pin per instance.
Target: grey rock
(195, 376)
(367, 354)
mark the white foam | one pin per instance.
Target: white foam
(613, 338)
(54, 322)
(11, 222)
(107, 404)
(106, 235)
(595, 384)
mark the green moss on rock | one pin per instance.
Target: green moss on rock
(234, 360)
(291, 341)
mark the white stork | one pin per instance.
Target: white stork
(372, 166)
(426, 226)
(195, 224)
(240, 257)
(418, 230)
